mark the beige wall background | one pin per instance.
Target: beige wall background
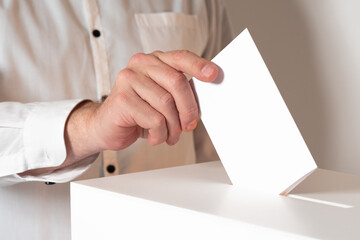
(313, 53)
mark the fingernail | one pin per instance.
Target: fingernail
(191, 126)
(208, 70)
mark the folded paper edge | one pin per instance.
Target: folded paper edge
(296, 183)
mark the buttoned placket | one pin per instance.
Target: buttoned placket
(102, 75)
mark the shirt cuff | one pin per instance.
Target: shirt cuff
(62, 175)
(65, 174)
(44, 133)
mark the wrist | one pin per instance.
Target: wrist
(80, 135)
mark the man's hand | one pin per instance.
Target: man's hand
(151, 98)
(152, 95)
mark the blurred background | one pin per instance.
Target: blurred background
(312, 51)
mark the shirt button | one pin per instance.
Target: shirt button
(103, 98)
(96, 33)
(110, 168)
(49, 183)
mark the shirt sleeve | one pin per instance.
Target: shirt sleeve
(31, 137)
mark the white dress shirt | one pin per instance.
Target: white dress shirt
(56, 53)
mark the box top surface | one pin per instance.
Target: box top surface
(206, 188)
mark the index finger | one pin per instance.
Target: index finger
(190, 63)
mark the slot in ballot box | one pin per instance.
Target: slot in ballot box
(198, 202)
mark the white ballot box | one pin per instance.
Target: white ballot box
(198, 202)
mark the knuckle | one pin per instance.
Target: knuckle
(156, 52)
(180, 54)
(124, 75)
(178, 57)
(122, 98)
(137, 58)
(178, 80)
(158, 120)
(192, 113)
(167, 99)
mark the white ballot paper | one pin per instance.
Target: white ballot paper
(249, 123)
